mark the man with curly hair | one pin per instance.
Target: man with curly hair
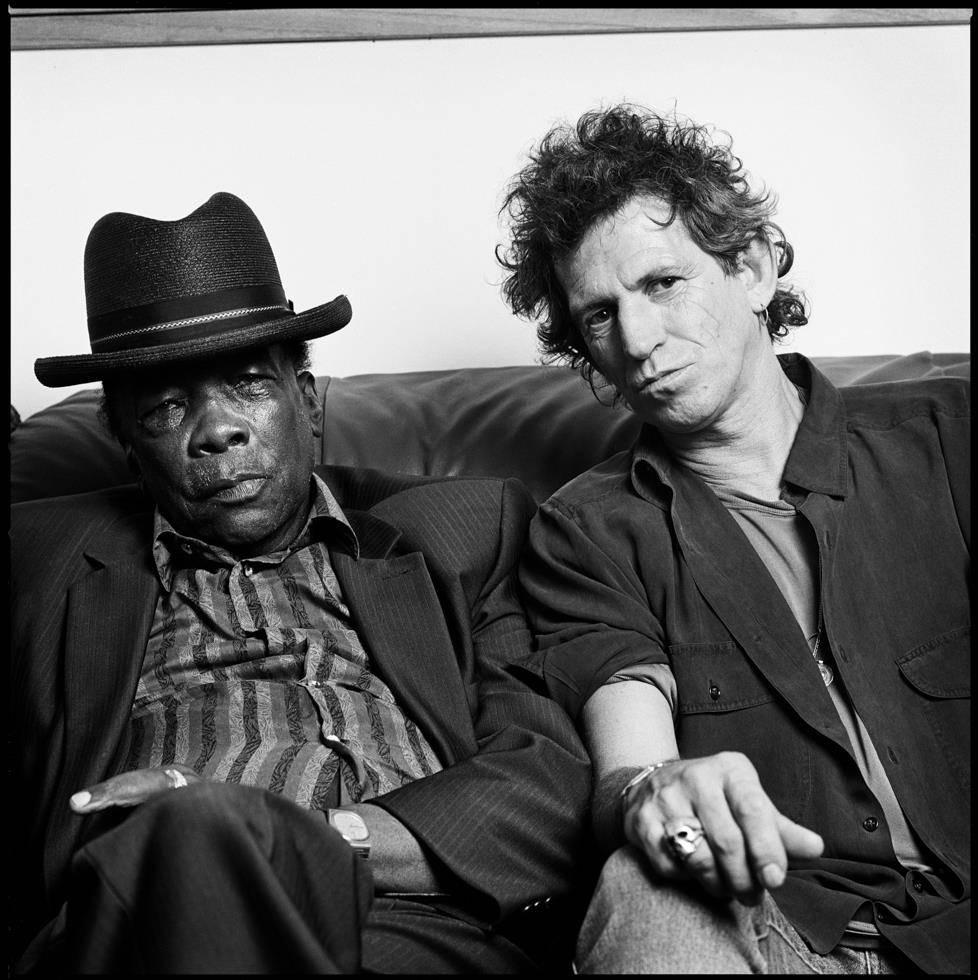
(759, 615)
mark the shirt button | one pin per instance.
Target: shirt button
(187, 549)
(714, 692)
(870, 824)
(247, 569)
(918, 885)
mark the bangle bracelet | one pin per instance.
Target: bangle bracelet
(641, 777)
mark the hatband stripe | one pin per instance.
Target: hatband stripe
(188, 322)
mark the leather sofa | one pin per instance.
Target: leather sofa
(541, 424)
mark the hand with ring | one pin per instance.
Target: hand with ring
(683, 836)
(709, 820)
(131, 788)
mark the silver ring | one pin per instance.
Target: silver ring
(177, 779)
(684, 838)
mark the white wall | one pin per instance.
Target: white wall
(377, 169)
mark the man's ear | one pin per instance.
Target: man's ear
(758, 271)
(310, 399)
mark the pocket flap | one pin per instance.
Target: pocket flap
(716, 677)
(941, 667)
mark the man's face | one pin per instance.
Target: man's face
(226, 446)
(662, 320)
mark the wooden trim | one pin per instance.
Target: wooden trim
(33, 28)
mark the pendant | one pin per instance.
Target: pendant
(826, 671)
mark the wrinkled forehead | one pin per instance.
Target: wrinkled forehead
(644, 228)
(645, 213)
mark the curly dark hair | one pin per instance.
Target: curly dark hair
(578, 175)
(297, 352)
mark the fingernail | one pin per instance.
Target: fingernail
(772, 875)
(81, 798)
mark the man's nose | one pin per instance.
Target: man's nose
(641, 328)
(217, 428)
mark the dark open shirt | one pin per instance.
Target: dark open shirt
(637, 561)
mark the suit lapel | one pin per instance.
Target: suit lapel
(110, 613)
(401, 622)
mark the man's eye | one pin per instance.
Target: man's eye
(163, 415)
(596, 320)
(664, 284)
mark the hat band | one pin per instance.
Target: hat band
(187, 318)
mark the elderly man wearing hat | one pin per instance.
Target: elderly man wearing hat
(261, 716)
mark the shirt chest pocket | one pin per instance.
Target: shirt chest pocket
(725, 705)
(715, 677)
(941, 668)
(939, 675)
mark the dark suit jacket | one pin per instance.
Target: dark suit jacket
(435, 606)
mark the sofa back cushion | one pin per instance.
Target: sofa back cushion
(541, 424)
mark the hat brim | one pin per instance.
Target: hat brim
(55, 372)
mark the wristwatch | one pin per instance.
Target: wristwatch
(352, 828)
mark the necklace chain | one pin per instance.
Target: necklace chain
(825, 670)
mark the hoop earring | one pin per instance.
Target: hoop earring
(596, 390)
(764, 319)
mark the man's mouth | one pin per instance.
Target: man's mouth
(656, 379)
(238, 487)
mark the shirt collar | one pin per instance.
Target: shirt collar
(818, 459)
(326, 522)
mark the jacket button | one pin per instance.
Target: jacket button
(916, 882)
(714, 692)
(870, 824)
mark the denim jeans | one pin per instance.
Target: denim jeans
(637, 924)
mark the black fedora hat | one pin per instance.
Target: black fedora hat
(164, 291)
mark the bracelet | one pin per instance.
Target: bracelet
(641, 777)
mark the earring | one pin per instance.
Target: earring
(603, 385)
(764, 319)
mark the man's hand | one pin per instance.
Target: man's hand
(746, 841)
(131, 788)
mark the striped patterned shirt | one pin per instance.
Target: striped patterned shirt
(254, 673)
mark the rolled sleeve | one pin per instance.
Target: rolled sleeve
(590, 613)
(658, 675)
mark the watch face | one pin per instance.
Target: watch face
(350, 825)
